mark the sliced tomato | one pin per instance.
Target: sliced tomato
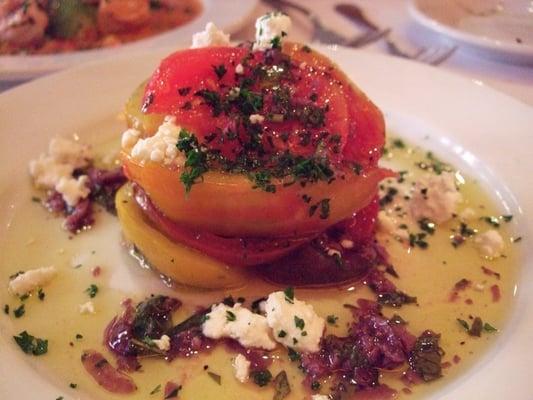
(234, 251)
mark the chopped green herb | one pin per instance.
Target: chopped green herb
(427, 225)
(289, 295)
(92, 290)
(397, 320)
(276, 42)
(6, 309)
(389, 196)
(216, 377)
(464, 324)
(398, 143)
(79, 336)
(230, 316)
(212, 99)
(395, 299)
(294, 355)
(418, 240)
(282, 334)
(30, 344)
(73, 385)
(24, 297)
(492, 220)
(332, 319)
(220, 70)
(19, 311)
(262, 377)
(489, 328)
(315, 386)
(299, 322)
(195, 159)
(156, 389)
(40, 294)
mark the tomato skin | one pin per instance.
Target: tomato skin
(239, 252)
(226, 204)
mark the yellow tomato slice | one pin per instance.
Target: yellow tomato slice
(227, 205)
(181, 263)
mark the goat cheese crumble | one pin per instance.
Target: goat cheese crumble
(31, 280)
(159, 148)
(270, 26)
(163, 343)
(435, 197)
(241, 367)
(87, 308)
(239, 323)
(294, 323)
(210, 36)
(489, 244)
(73, 189)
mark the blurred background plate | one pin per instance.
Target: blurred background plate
(497, 29)
(236, 13)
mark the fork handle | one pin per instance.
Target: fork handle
(290, 4)
(355, 14)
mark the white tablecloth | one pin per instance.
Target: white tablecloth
(515, 80)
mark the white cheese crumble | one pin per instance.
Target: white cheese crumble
(66, 151)
(54, 170)
(320, 397)
(163, 343)
(73, 189)
(467, 214)
(270, 26)
(239, 69)
(87, 308)
(47, 172)
(347, 244)
(241, 366)
(435, 197)
(129, 138)
(489, 244)
(31, 280)
(209, 37)
(294, 323)
(390, 225)
(161, 147)
(239, 323)
(256, 119)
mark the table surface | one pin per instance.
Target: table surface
(514, 80)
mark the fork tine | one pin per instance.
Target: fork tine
(444, 55)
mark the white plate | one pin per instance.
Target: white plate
(228, 15)
(498, 29)
(477, 128)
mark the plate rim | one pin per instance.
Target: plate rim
(482, 44)
(23, 67)
(338, 53)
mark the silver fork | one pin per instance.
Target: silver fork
(433, 55)
(325, 35)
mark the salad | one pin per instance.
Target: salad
(306, 254)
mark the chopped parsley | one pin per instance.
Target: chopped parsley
(156, 389)
(261, 377)
(293, 355)
(195, 159)
(332, 319)
(30, 344)
(92, 290)
(230, 316)
(282, 334)
(19, 311)
(40, 294)
(6, 309)
(215, 377)
(427, 225)
(299, 322)
(220, 70)
(73, 385)
(289, 295)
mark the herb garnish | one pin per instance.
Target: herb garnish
(195, 159)
(19, 311)
(299, 322)
(261, 377)
(216, 377)
(92, 290)
(293, 354)
(289, 295)
(156, 389)
(30, 344)
(220, 70)
(40, 294)
(332, 319)
(395, 299)
(230, 316)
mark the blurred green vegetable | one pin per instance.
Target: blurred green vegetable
(68, 17)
